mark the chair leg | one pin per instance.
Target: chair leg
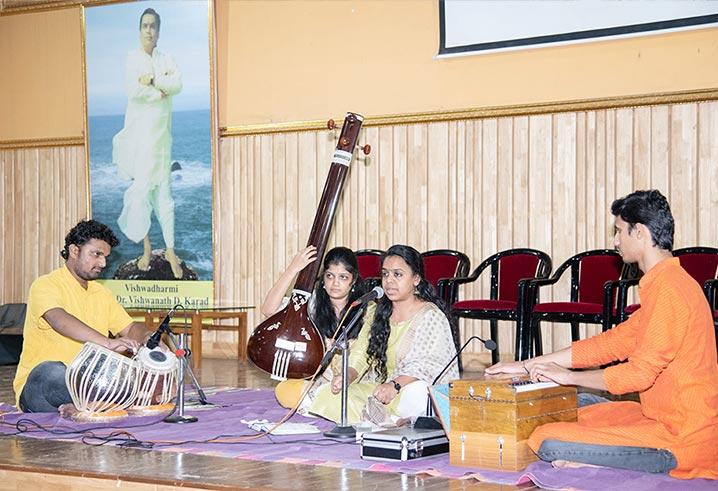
(522, 349)
(575, 333)
(454, 324)
(494, 325)
(536, 334)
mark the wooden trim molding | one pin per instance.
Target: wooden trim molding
(488, 112)
(70, 141)
(8, 7)
(430, 117)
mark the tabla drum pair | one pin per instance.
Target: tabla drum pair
(105, 385)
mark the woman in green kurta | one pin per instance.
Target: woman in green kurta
(404, 344)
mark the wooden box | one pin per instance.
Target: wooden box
(492, 419)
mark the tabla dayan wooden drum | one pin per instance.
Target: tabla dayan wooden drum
(102, 383)
(157, 381)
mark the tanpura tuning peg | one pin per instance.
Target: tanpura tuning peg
(331, 124)
(366, 148)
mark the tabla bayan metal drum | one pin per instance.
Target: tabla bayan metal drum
(157, 381)
(102, 383)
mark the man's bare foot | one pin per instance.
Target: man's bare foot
(67, 410)
(143, 263)
(570, 464)
(174, 261)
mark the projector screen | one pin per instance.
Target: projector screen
(497, 25)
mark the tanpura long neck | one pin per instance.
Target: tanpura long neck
(324, 218)
(322, 225)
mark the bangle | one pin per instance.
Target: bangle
(523, 364)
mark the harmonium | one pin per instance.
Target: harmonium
(490, 420)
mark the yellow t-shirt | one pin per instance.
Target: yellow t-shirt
(96, 307)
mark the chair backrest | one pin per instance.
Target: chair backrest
(591, 270)
(12, 317)
(514, 265)
(700, 262)
(444, 263)
(369, 261)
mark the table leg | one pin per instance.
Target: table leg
(242, 336)
(196, 343)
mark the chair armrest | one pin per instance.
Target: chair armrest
(619, 288)
(451, 285)
(710, 288)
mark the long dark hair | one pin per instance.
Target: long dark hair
(324, 316)
(380, 328)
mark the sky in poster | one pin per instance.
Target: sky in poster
(113, 30)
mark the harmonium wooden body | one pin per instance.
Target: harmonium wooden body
(492, 419)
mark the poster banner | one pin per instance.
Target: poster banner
(147, 67)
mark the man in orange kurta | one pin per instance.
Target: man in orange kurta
(667, 353)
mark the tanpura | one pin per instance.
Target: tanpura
(288, 344)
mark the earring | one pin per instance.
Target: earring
(416, 290)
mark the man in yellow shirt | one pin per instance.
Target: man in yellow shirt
(67, 308)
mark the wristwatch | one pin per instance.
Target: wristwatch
(397, 385)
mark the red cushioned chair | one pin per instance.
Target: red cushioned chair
(505, 301)
(440, 265)
(699, 262)
(369, 261)
(590, 271)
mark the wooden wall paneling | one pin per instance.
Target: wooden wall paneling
(453, 197)
(583, 190)
(683, 175)
(489, 186)
(457, 155)
(562, 214)
(660, 149)
(391, 140)
(520, 183)
(477, 185)
(416, 187)
(270, 207)
(624, 151)
(503, 192)
(373, 202)
(437, 189)
(707, 173)
(642, 148)
(397, 214)
(223, 200)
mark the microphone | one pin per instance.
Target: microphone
(429, 421)
(375, 294)
(154, 340)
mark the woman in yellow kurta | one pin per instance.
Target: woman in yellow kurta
(404, 344)
(667, 352)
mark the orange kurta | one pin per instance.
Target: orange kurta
(669, 350)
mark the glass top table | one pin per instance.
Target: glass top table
(154, 314)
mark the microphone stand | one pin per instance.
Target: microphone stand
(430, 421)
(343, 430)
(182, 353)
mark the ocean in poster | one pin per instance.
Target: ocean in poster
(191, 188)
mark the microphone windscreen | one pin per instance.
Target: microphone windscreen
(379, 292)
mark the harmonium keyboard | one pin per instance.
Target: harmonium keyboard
(492, 419)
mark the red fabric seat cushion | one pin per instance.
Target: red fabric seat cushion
(632, 308)
(484, 305)
(569, 308)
